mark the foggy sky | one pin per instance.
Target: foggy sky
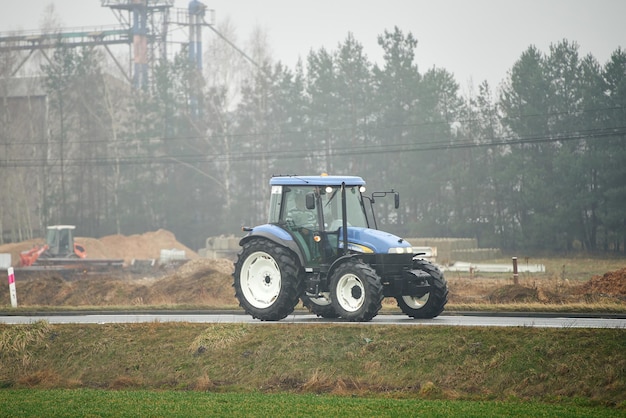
(476, 40)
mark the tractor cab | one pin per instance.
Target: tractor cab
(60, 243)
(313, 214)
(60, 240)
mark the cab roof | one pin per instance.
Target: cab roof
(316, 181)
(59, 227)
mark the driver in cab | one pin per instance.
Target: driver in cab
(299, 216)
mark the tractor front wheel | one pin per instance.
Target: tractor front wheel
(266, 280)
(432, 303)
(356, 291)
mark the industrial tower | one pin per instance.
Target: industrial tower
(143, 27)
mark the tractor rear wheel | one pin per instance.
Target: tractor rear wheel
(266, 280)
(356, 291)
(321, 306)
(432, 303)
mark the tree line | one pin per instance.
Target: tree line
(537, 164)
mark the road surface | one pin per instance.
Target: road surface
(451, 319)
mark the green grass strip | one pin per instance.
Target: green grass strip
(107, 403)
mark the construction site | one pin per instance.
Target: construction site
(191, 280)
(41, 142)
(55, 267)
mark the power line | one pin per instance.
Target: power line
(283, 154)
(371, 128)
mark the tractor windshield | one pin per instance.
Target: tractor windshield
(60, 241)
(331, 204)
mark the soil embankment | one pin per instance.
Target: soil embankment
(208, 282)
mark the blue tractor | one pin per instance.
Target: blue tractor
(321, 245)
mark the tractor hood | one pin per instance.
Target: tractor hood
(375, 240)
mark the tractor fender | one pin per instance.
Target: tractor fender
(275, 234)
(340, 261)
(427, 266)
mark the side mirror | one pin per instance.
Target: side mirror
(310, 201)
(396, 200)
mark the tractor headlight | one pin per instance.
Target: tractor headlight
(400, 250)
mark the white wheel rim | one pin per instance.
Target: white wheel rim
(260, 280)
(350, 292)
(415, 302)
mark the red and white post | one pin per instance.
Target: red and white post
(12, 287)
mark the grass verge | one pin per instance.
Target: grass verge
(564, 366)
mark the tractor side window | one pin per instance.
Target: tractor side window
(52, 239)
(297, 214)
(302, 222)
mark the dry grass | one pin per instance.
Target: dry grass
(218, 336)
(396, 361)
(203, 283)
(16, 342)
(565, 283)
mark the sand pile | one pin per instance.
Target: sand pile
(140, 246)
(17, 247)
(144, 246)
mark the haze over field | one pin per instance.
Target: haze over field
(531, 160)
(475, 40)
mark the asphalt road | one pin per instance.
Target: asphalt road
(480, 320)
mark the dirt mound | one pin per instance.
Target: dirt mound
(612, 283)
(220, 265)
(140, 246)
(199, 282)
(144, 246)
(16, 248)
(514, 293)
(610, 286)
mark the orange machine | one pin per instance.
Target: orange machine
(59, 244)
